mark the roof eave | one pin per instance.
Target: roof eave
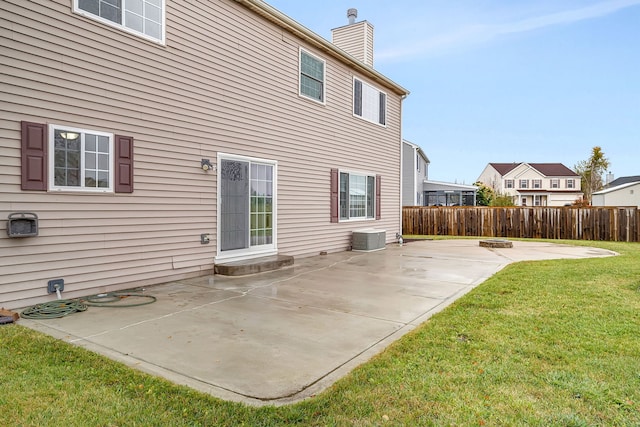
(283, 21)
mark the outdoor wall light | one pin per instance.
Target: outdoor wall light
(206, 165)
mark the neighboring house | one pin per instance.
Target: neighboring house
(533, 184)
(154, 142)
(619, 181)
(623, 191)
(437, 193)
(418, 190)
(415, 171)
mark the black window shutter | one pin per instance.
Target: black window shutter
(378, 193)
(357, 98)
(334, 195)
(34, 156)
(383, 109)
(124, 164)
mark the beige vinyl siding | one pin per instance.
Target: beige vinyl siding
(226, 81)
(357, 40)
(369, 45)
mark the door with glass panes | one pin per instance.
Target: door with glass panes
(247, 206)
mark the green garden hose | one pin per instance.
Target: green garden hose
(64, 307)
(53, 309)
(114, 299)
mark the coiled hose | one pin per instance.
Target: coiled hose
(64, 307)
(53, 309)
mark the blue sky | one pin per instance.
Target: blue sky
(505, 80)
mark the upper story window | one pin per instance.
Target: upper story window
(524, 183)
(536, 183)
(555, 183)
(418, 162)
(571, 183)
(508, 183)
(369, 103)
(80, 159)
(312, 76)
(141, 17)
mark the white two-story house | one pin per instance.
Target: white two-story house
(533, 184)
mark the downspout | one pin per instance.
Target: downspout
(402, 98)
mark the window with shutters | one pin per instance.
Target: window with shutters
(357, 196)
(80, 159)
(64, 158)
(312, 77)
(141, 17)
(369, 103)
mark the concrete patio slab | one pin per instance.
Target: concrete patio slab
(282, 336)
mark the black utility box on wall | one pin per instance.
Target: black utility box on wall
(22, 224)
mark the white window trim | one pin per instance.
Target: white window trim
(51, 162)
(324, 81)
(161, 40)
(386, 103)
(255, 251)
(375, 183)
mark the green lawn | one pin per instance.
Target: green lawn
(547, 343)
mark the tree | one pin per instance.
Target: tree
(502, 200)
(485, 194)
(591, 172)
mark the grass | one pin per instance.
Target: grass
(546, 343)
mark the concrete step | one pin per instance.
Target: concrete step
(252, 266)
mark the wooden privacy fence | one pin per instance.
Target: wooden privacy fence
(620, 224)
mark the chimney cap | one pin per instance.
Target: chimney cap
(352, 14)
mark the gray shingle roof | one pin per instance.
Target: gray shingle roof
(623, 180)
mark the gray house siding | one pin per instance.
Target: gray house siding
(408, 176)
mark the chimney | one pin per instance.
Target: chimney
(352, 14)
(355, 38)
(609, 178)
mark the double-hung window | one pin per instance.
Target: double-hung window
(571, 183)
(537, 183)
(524, 183)
(555, 183)
(80, 159)
(369, 103)
(312, 76)
(357, 196)
(141, 17)
(508, 183)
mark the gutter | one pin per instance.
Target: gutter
(280, 19)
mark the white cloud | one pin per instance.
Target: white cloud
(475, 34)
